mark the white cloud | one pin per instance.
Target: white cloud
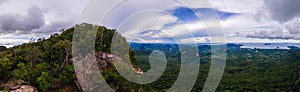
(196, 3)
(237, 6)
(246, 23)
(145, 21)
(255, 17)
(127, 8)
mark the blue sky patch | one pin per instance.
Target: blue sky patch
(188, 15)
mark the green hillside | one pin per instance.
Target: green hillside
(46, 64)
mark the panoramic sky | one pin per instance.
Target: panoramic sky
(242, 20)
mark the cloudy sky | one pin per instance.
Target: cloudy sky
(241, 20)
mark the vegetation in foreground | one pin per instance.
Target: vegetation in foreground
(47, 64)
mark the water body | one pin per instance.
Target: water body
(268, 46)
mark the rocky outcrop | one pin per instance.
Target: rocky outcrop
(17, 86)
(88, 69)
(25, 88)
(13, 84)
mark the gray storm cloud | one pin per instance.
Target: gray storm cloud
(272, 34)
(283, 10)
(11, 23)
(1, 1)
(287, 14)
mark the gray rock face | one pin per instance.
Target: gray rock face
(88, 69)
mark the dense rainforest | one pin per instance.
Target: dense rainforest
(47, 65)
(246, 69)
